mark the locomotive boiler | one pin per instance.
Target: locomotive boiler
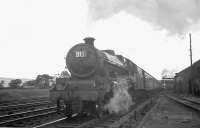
(93, 76)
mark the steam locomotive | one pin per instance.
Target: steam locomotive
(94, 74)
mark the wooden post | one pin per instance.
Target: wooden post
(190, 49)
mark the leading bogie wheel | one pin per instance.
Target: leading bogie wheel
(99, 111)
(68, 109)
(61, 106)
(65, 107)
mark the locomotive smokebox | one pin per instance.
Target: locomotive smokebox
(89, 41)
(83, 59)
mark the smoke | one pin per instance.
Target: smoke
(121, 100)
(168, 73)
(175, 16)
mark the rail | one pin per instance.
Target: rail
(186, 102)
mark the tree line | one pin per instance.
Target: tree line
(41, 81)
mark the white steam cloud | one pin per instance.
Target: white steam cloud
(121, 100)
(168, 73)
(175, 16)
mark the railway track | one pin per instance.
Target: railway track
(186, 102)
(28, 118)
(24, 107)
(74, 122)
(8, 107)
(48, 117)
(21, 101)
(25, 113)
(196, 101)
(111, 121)
(31, 105)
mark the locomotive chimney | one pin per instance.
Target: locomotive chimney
(89, 41)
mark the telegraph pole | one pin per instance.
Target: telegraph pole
(190, 78)
(190, 49)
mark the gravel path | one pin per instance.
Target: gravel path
(168, 114)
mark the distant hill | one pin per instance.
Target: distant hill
(7, 80)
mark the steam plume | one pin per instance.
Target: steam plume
(175, 16)
(121, 101)
(168, 73)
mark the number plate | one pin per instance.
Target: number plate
(81, 54)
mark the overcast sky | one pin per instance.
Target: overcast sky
(35, 35)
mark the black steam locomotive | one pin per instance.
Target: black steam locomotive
(94, 74)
